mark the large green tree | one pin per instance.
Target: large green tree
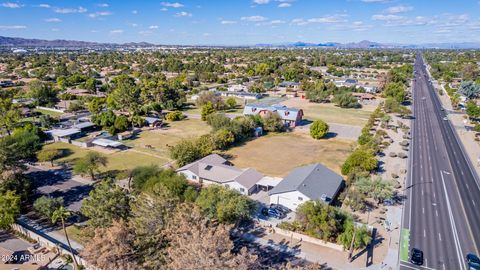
(9, 114)
(9, 209)
(46, 206)
(107, 202)
(42, 93)
(223, 204)
(90, 164)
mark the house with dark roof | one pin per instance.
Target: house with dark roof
(214, 169)
(291, 117)
(311, 182)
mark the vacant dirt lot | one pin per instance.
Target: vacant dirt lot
(278, 154)
(331, 113)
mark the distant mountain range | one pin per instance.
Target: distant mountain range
(25, 42)
(16, 42)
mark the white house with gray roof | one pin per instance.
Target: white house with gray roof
(214, 169)
(311, 182)
(291, 117)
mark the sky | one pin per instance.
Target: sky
(244, 22)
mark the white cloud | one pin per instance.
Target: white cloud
(54, 20)
(397, 20)
(70, 10)
(12, 27)
(284, 5)
(10, 5)
(228, 22)
(116, 31)
(55, 29)
(153, 27)
(134, 12)
(183, 14)
(103, 5)
(253, 18)
(390, 17)
(164, 9)
(99, 14)
(329, 19)
(173, 5)
(44, 6)
(398, 9)
(261, 2)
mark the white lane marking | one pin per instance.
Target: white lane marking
(422, 191)
(440, 236)
(473, 202)
(436, 212)
(424, 234)
(423, 210)
(416, 267)
(452, 224)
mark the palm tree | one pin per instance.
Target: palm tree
(61, 213)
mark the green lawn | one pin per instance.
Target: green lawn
(116, 161)
(161, 139)
(47, 112)
(404, 245)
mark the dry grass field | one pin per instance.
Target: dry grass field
(278, 154)
(331, 113)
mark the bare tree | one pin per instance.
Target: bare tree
(198, 243)
(112, 248)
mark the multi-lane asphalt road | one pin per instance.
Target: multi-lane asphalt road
(441, 214)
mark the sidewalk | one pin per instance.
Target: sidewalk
(324, 255)
(53, 235)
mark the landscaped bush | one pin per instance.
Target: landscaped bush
(174, 116)
(318, 129)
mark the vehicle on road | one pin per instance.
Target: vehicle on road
(445, 119)
(416, 256)
(473, 262)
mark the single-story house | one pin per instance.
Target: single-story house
(288, 84)
(237, 88)
(345, 83)
(84, 126)
(153, 122)
(244, 95)
(291, 117)
(311, 182)
(214, 169)
(64, 135)
(364, 96)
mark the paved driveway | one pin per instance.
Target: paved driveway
(60, 183)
